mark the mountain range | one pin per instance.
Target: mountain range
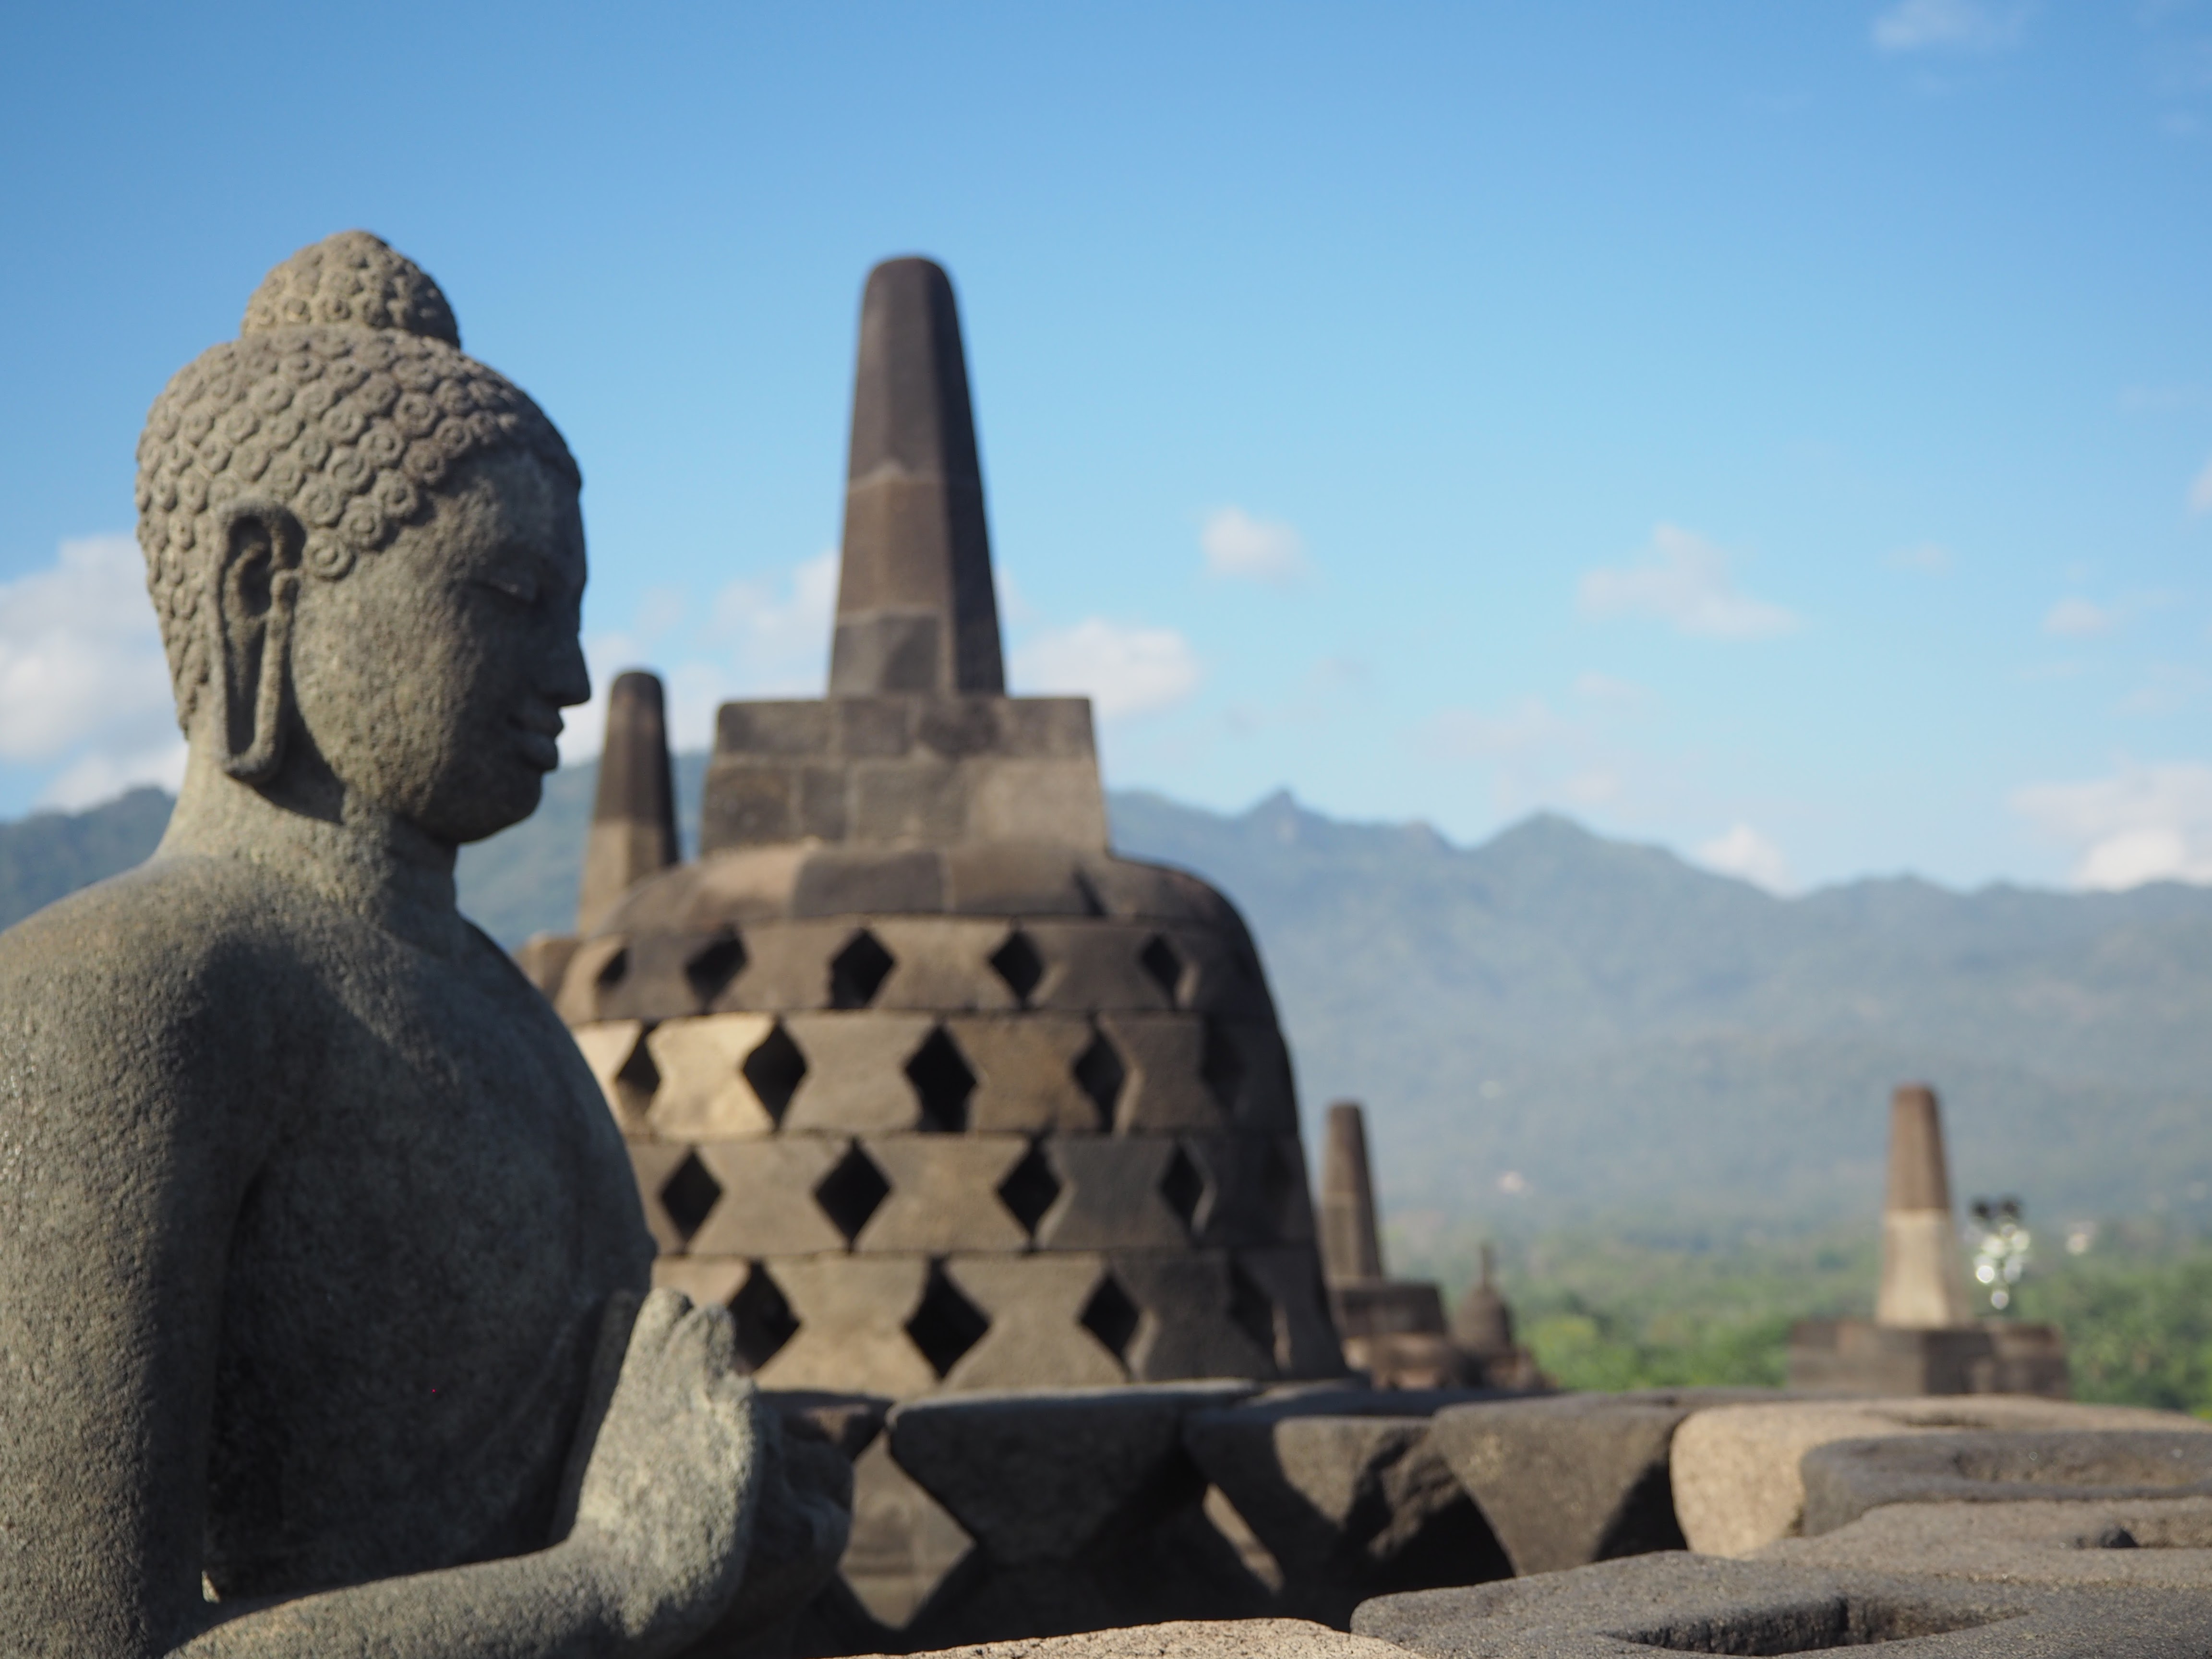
(1553, 1027)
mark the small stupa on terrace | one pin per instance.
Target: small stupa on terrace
(929, 1087)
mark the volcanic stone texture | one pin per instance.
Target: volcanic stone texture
(1737, 1477)
(1684, 1603)
(2163, 1543)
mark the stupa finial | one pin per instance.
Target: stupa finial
(915, 609)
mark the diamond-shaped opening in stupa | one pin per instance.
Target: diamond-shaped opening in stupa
(1251, 1310)
(1183, 1187)
(711, 967)
(1158, 959)
(1020, 964)
(1029, 1188)
(1101, 1075)
(689, 1196)
(942, 1081)
(1112, 1315)
(636, 1079)
(947, 1324)
(776, 1068)
(1222, 1068)
(852, 1192)
(764, 1318)
(858, 972)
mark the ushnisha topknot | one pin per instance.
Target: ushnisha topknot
(346, 398)
(352, 280)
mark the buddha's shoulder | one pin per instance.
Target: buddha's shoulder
(168, 928)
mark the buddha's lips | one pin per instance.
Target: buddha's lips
(540, 746)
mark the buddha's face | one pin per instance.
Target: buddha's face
(430, 677)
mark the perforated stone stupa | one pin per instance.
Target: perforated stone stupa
(927, 1086)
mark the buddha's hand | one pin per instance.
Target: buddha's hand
(670, 1484)
(806, 1518)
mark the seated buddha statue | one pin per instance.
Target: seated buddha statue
(327, 1327)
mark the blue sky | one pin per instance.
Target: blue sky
(1782, 432)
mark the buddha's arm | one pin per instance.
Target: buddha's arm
(664, 1514)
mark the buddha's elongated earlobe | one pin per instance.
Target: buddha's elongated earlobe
(257, 584)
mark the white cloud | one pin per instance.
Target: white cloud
(1123, 671)
(1683, 578)
(781, 642)
(1743, 851)
(1930, 558)
(1958, 25)
(82, 679)
(1238, 545)
(93, 777)
(2142, 824)
(755, 639)
(2076, 618)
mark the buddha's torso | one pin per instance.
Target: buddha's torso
(434, 1217)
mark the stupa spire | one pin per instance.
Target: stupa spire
(1350, 1245)
(915, 609)
(634, 816)
(1923, 1286)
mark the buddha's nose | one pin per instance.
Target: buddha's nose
(566, 680)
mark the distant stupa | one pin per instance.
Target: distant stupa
(1924, 1337)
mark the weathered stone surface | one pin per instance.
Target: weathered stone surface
(787, 967)
(1575, 1478)
(1208, 1316)
(768, 1204)
(623, 1067)
(852, 1314)
(1037, 1477)
(1110, 1194)
(837, 881)
(1026, 1071)
(944, 1194)
(703, 1093)
(1178, 1076)
(856, 1079)
(904, 1545)
(1737, 1484)
(1021, 878)
(1845, 1478)
(1232, 1638)
(1127, 889)
(943, 965)
(1697, 1604)
(1038, 1338)
(2139, 1543)
(1306, 1341)
(1348, 1507)
(1095, 965)
(328, 1278)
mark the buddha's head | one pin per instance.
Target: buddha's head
(365, 550)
